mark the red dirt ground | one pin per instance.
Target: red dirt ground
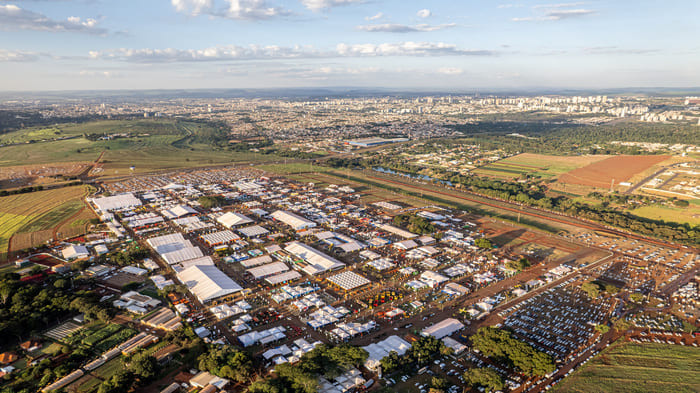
(600, 174)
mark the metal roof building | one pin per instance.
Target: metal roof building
(207, 282)
(296, 222)
(443, 329)
(116, 202)
(316, 261)
(232, 219)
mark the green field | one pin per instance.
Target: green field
(544, 166)
(638, 368)
(153, 145)
(690, 214)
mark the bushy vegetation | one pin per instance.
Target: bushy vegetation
(421, 353)
(502, 346)
(208, 202)
(484, 377)
(227, 362)
(302, 377)
(414, 223)
(519, 265)
(28, 307)
(484, 243)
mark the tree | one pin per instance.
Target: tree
(227, 363)
(602, 329)
(486, 377)
(209, 202)
(500, 344)
(143, 366)
(519, 265)
(439, 383)
(591, 288)
(637, 297)
(483, 243)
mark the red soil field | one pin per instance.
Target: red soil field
(621, 168)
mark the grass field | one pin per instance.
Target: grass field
(37, 211)
(156, 145)
(638, 368)
(690, 214)
(536, 165)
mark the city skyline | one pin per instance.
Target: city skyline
(186, 44)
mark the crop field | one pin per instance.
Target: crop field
(35, 212)
(536, 165)
(640, 368)
(618, 168)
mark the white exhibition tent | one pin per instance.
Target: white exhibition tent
(207, 282)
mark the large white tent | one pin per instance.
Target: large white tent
(296, 222)
(207, 282)
(317, 262)
(232, 219)
(443, 328)
(116, 202)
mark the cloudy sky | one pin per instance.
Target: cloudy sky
(439, 44)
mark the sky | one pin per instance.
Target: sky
(429, 45)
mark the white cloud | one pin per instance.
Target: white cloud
(16, 18)
(318, 5)
(100, 74)
(19, 56)
(424, 13)
(554, 12)
(192, 7)
(398, 28)
(232, 9)
(450, 71)
(614, 50)
(253, 9)
(565, 14)
(408, 48)
(255, 52)
(378, 15)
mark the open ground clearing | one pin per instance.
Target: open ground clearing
(618, 168)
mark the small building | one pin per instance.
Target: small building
(8, 357)
(443, 328)
(31, 345)
(75, 251)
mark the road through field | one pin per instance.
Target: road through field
(515, 208)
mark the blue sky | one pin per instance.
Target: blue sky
(457, 44)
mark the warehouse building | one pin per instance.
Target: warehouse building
(116, 202)
(231, 219)
(296, 222)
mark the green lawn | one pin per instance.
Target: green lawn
(640, 368)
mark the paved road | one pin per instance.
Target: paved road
(644, 181)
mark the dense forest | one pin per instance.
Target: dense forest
(555, 138)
